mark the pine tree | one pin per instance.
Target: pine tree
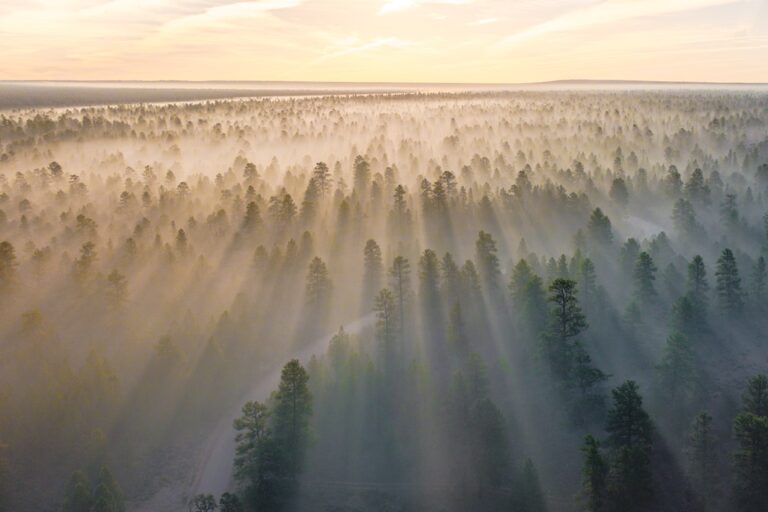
(203, 503)
(630, 438)
(528, 495)
(8, 266)
(684, 219)
(107, 497)
(518, 281)
(362, 175)
(698, 288)
(386, 319)
(229, 502)
(487, 261)
(643, 277)
(729, 213)
(587, 284)
(77, 496)
(729, 292)
(291, 415)
(457, 330)
(450, 275)
(429, 276)
(702, 461)
(322, 176)
(759, 288)
(400, 278)
(750, 428)
(594, 476)
(566, 322)
(252, 219)
(318, 290)
(677, 369)
(372, 269)
(599, 228)
(252, 431)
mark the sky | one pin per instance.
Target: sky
(456, 41)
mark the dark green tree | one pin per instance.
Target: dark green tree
(643, 277)
(587, 280)
(698, 288)
(292, 412)
(8, 266)
(203, 503)
(702, 461)
(322, 176)
(229, 502)
(729, 294)
(107, 497)
(386, 322)
(630, 433)
(362, 175)
(487, 261)
(678, 369)
(759, 286)
(594, 476)
(373, 269)
(599, 228)
(527, 492)
(400, 278)
(750, 429)
(77, 495)
(318, 290)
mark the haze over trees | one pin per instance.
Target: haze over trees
(518, 301)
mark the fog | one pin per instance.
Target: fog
(363, 299)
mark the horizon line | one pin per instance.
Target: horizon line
(585, 81)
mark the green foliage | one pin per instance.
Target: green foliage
(318, 291)
(527, 493)
(599, 228)
(643, 277)
(750, 429)
(203, 503)
(478, 430)
(594, 476)
(400, 278)
(487, 261)
(677, 369)
(78, 496)
(252, 428)
(8, 266)
(701, 453)
(566, 322)
(630, 440)
(729, 294)
(386, 322)
(271, 443)
(107, 497)
(230, 503)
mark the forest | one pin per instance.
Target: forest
(410, 301)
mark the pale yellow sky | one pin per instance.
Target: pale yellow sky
(477, 41)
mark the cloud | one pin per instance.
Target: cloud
(484, 21)
(391, 6)
(352, 46)
(608, 11)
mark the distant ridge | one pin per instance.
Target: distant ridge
(565, 81)
(19, 94)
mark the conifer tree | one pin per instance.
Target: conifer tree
(630, 439)
(643, 277)
(594, 476)
(729, 294)
(750, 429)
